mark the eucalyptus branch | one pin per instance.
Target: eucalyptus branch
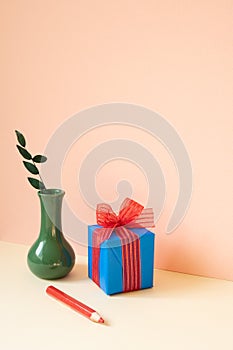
(30, 163)
(39, 174)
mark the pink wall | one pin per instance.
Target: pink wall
(174, 57)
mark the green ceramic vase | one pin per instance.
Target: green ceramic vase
(51, 256)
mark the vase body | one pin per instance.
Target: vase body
(51, 256)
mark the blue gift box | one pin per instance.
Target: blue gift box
(110, 263)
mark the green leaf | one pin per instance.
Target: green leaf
(36, 183)
(30, 167)
(24, 152)
(20, 138)
(39, 158)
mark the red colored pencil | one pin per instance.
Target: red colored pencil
(75, 304)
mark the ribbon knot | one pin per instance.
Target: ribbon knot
(131, 215)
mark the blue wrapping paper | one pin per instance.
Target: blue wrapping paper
(110, 263)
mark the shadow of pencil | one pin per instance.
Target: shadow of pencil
(106, 323)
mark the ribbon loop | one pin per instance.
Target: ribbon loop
(105, 216)
(129, 211)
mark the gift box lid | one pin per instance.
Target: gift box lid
(114, 240)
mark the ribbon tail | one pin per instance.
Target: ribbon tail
(145, 219)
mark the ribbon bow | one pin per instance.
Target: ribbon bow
(131, 215)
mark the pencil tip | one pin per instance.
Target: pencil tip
(101, 320)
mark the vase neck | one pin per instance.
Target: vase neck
(51, 205)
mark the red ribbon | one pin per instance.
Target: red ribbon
(131, 215)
